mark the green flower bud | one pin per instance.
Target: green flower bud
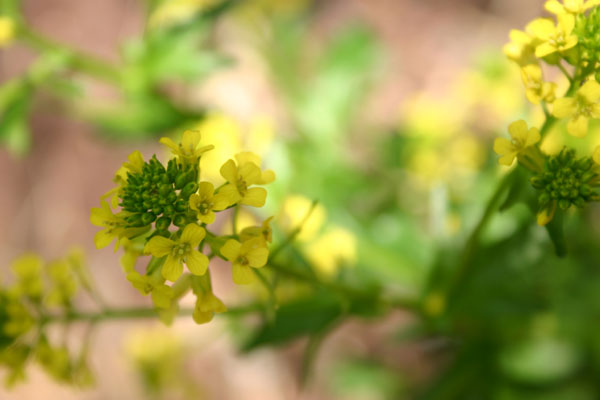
(148, 218)
(189, 189)
(162, 224)
(180, 220)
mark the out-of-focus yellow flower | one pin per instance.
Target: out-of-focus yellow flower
(161, 293)
(263, 232)
(134, 165)
(239, 179)
(206, 202)
(334, 248)
(554, 38)
(294, 211)
(28, 271)
(580, 108)
(113, 225)
(570, 6)
(171, 12)
(207, 304)
(466, 152)
(536, 89)
(189, 150)
(596, 155)
(64, 283)
(183, 250)
(244, 256)
(522, 138)
(7, 30)
(226, 135)
(522, 45)
(434, 304)
(429, 117)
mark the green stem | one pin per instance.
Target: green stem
(82, 62)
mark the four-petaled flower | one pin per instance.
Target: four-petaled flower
(570, 6)
(239, 178)
(206, 202)
(263, 232)
(522, 138)
(187, 151)
(207, 304)
(114, 225)
(161, 294)
(580, 108)
(554, 38)
(243, 256)
(536, 89)
(182, 250)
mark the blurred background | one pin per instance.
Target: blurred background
(384, 111)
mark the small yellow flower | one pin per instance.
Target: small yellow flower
(207, 304)
(64, 283)
(580, 108)
(161, 293)
(239, 178)
(521, 48)
(263, 232)
(554, 38)
(181, 251)
(333, 249)
(7, 30)
(28, 271)
(522, 137)
(134, 165)
(243, 256)
(206, 202)
(536, 89)
(569, 6)
(596, 155)
(266, 176)
(113, 224)
(188, 151)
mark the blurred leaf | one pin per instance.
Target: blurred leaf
(299, 317)
(15, 99)
(362, 379)
(556, 231)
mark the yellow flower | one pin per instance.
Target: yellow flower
(64, 283)
(113, 224)
(188, 151)
(569, 6)
(580, 108)
(263, 232)
(239, 178)
(251, 253)
(554, 38)
(522, 137)
(294, 214)
(205, 202)
(7, 30)
(134, 165)
(521, 48)
(334, 248)
(536, 89)
(181, 251)
(596, 155)
(161, 293)
(28, 271)
(207, 304)
(266, 176)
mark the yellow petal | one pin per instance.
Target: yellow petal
(564, 107)
(247, 156)
(231, 249)
(190, 140)
(192, 234)
(221, 201)
(197, 262)
(242, 275)
(518, 130)
(159, 246)
(267, 177)
(590, 91)
(257, 257)
(507, 159)
(578, 126)
(255, 197)
(566, 22)
(519, 37)
(250, 172)
(554, 7)
(207, 218)
(172, 268)
(544, 50)
(169, 143)
(202, 317)
(596, 155)
(542, 28)
(533, 136)
(545, 215)
(229, 194)
(161, 296)
(229, 171)
(206, 190)
(503, 146)
(103, 239)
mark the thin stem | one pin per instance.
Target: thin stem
(290, 238)
(272, 302)
(234, 217)
(565, 72)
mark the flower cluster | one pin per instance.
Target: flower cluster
(569, 42)
(39, 292)
(165, 212)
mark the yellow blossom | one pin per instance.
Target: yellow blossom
(7, 30)
(580, 108)
(207, 304)
(296, 214)
(206, 202)
(134, 165)
(113, 224)
(596, 155)
(522, 45)
(521, 138)
(28, 271)
(334, 248)
(266, 176)
(569, 6)
(188, 151)
(536, 89)
(239, 178)
(554, 38)
(182, 250)
(243, 256)
(161, 293)
(263, 232)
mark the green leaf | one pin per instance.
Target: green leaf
(303, 316)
